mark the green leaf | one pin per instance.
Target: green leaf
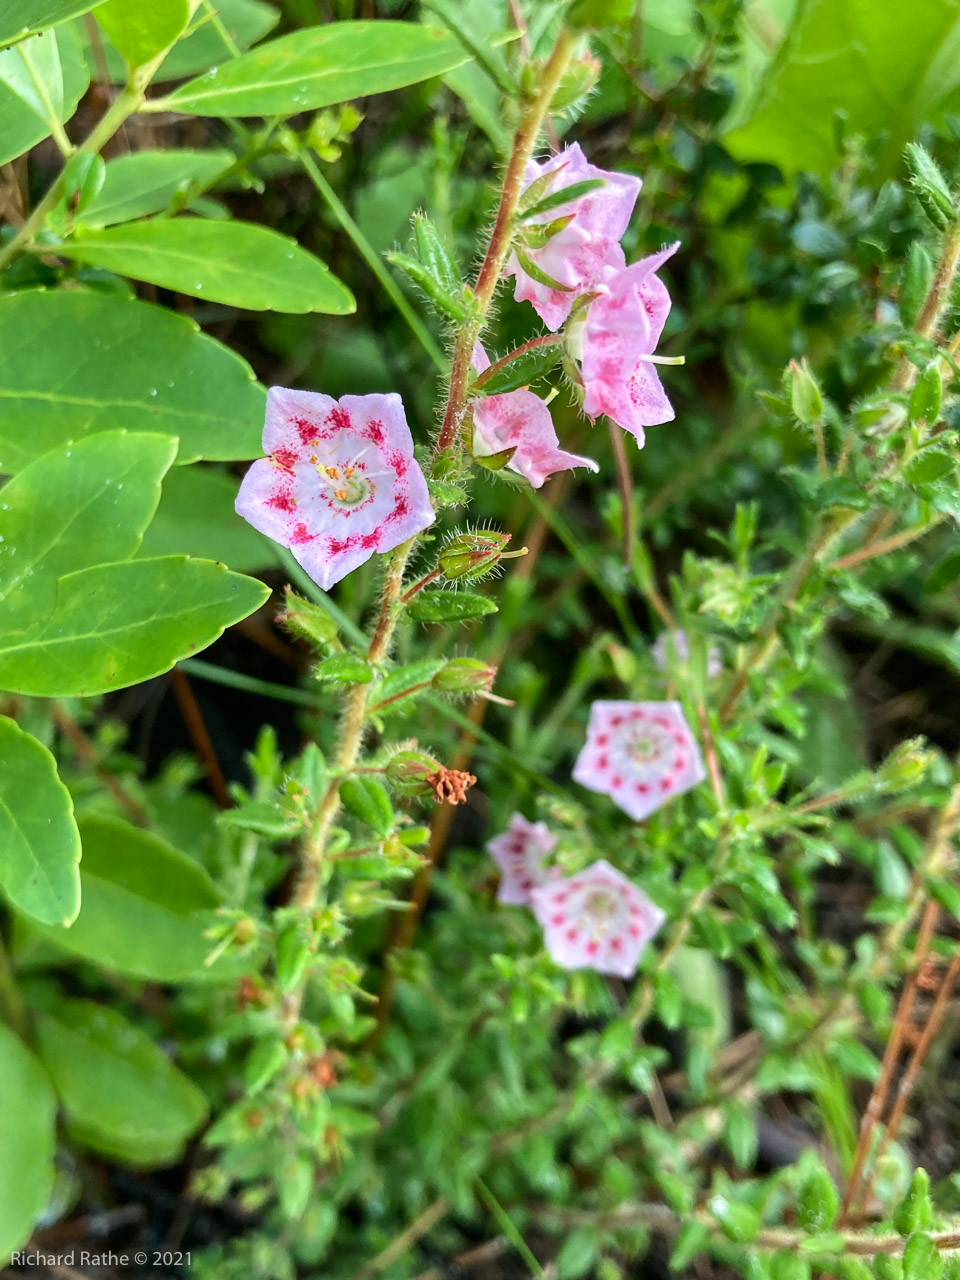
(520, 370)
(318, 67)
(196, 518)
(118, 624)
(131, 365)
(140, 31)
(556, 199)
(403, 684)
(139, 902)
(39, 841)
(818, 1201)
(121, 1094)
(448, 606)
(236, 263)
(27, 1139)
(928, 465)
(246, 22)
(344, 668)
(915, 1210)
(369, 802)
(146, 182)
(19, 18)
(32, 71)
(76, 506)
(921, 1259)
(859, 58)
(577, 1254)
(20, 126)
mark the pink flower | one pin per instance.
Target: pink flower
(340, 483)
(520, 853)
(596, 920)
(521, 421)
(672, 646)
(616, 342)
(641, 754)
(577, 254)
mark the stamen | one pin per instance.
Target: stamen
(341, 494)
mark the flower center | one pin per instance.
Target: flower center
(646, 748)
(347, 486)
(599, 906)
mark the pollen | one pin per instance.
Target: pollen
(341, 494)
(332, 473)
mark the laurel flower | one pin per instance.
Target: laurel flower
(520, 853)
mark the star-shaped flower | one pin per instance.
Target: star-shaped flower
(616, 343)
(596, 920)
(641, 754)
(340, 482)
(521, 421)
(579, 251)
(520, 853)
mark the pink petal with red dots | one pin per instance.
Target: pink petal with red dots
(641, 754)
(577, 255)
(623, 326)
(599, 920)
(520, 852)
(521, 421)
(340, 482)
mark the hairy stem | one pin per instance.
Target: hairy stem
(501, 237)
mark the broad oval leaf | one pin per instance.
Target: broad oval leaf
(76, 506)
(146, 182)
(20, 126)
(120, 1093)
(19, 18)
(118, 624)
(131, 365)
(318, 67)
(140, 904)
(39, 841)
(140, 31)
(32, 71)
(245, 21)
(196, 518)
(884, 73)
(27, 1139)
(237, 263)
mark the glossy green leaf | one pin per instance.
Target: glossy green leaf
(139, 906)
(39, 841)
(196, 518)
(858, 57)
(146, 182)
(120, 1093)
(27, 1140)
(20, 126)
(131, 365)
(19, 18)
(142, 30)
(32, 71)
(318, 67)
(118, 624)
(246, 22)
(78, 505)
(237, 263)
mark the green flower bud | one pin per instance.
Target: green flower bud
(468, 557)
(806, 399)
(914, 1212)
(407, 772)
(464, 675)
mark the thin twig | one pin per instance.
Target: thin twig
(197, 729)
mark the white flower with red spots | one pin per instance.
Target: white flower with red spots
(521, 852)
(521, 421)
(340, 481)
(616, 342)
(577, 254)
(596, 920)
(641, 754)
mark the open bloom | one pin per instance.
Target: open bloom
(340, 481)
(596, 919)
(641, 754)
(616, 342)
(671, 646)
(521, 421)
(520, 853)
(579, 251)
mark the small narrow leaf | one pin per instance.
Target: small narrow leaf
(558, 198)
(448, 606)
